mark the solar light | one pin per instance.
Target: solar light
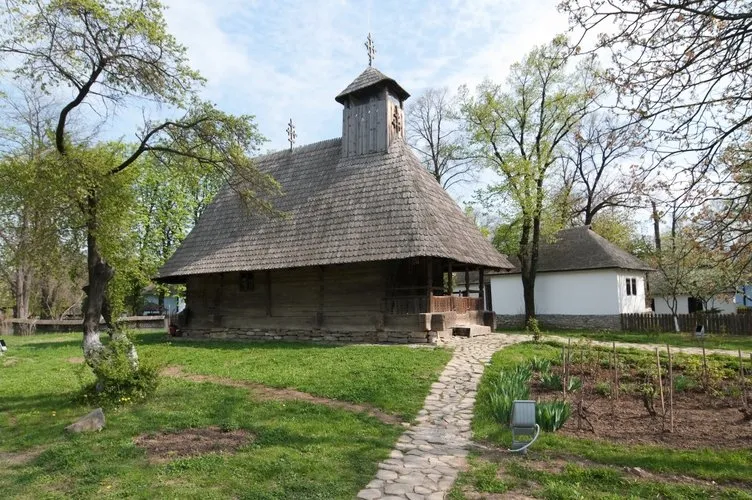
(700, 331)
(524, 429)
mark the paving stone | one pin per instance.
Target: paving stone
(428, 456)
(370, 494)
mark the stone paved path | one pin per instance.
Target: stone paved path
(428, 456)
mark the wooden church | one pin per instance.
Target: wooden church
(365, 250)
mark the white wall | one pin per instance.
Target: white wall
(573, 292)
(629, 304)
(723, 303)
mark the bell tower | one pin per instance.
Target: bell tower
(373, 115)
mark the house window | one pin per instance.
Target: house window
(631, 286)
(246, 282)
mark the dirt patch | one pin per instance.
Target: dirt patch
(264, 392)
(165, 446)
(10, 361)
(20, 457)
(77, 360)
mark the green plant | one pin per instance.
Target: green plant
(647, 392)
(120, 381)
(540, 365)
(603, 389)
(533, 328)
(682, 383)
(508, 386)
(551, 381)
(552, 415)
(574, 384)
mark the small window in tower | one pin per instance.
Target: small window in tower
(246, 282)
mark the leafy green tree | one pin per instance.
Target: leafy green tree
(113, 54)
(519, 130)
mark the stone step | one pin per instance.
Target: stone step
(470, 330)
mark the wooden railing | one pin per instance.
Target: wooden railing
(439, 303)
(461, 305)
(730, 324)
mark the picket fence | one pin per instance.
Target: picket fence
(728, 324)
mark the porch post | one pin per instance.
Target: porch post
(429, 294)
(467, 281)
(481, 288)
(450, 280)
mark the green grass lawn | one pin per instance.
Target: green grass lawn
(712, 341)
(592, 468)
(299, 450)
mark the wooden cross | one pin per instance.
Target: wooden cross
(397, 121)
(371, 49)
(291, 135)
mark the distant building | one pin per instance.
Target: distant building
(583, 281)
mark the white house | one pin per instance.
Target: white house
(583, 281)
(724, 304)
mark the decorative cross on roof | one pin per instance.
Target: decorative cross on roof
(371, 49)
(397, 121)
(291, 134)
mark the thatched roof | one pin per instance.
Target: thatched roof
(581, 248)
(337, 210)
(368, 79)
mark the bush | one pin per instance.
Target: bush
(118, 382)
(532, 327)
(508, 386)
(552, 415)
(540, 365)
(551, 381)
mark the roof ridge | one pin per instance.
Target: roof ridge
(324, 144)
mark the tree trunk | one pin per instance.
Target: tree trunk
(656, 227)
(22, 292)
(100, 273)
(527, 269)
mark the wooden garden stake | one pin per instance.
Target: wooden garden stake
(670, 390)
(660, 380)
(616, 374)
(705, 381)
(742, 381)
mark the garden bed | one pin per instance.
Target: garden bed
(706, 402)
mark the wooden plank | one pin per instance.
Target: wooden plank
(429, 284)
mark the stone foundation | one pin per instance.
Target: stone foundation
(313, 336)
(562, 321)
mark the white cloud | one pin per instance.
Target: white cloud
(285, 59)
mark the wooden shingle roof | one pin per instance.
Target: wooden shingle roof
(337, 210)
(367, 79)
(580, 248)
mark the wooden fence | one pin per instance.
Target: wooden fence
(461, 305)
(30, 326)
(729, 324)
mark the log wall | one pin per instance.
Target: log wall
(339, 297)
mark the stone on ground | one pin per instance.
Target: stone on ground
(93, 421)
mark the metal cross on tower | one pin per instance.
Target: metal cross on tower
(291, 134)
(371, 49)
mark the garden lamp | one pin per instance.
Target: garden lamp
(524, 429)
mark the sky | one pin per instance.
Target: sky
(283, 59)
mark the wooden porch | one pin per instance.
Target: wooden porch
(426, 285)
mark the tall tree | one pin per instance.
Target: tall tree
(434, 132)
(682, 68)
(519, 131)
(597, 166)
(116, 53)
